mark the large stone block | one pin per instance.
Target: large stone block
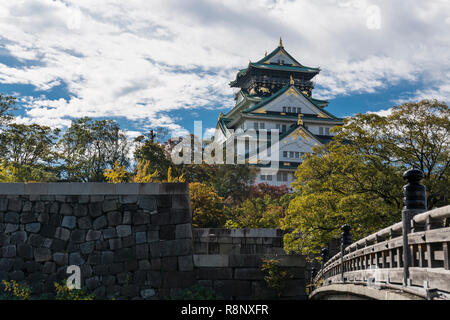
(180, 247)
(213, 260)
(141, 237)
(178, 279)
(25, 251)
(78, 236)
(100, 223)
(3, 204)
(11, 217)
(62, 234)
(140, 218)
(110, 205)
(11, 227)
(9, 251)
(248, 274)
(114, 218)
(6, 264)
(95, 209)
(123, 230)
(84, 223)
(183, 231)
(87, 247)
(167, 232)
(42, 254)
(185, 263)
(169, 264)
(148, 203)
(80, 210)
(233, 288)
(245, 260)
(69, 222)
(109, 233)
(18, 237)
(61, 258)
(66, 209)
(93, 235)
(214, 273)
(15, 205)
(28, 217)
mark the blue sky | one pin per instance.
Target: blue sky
(168, 63)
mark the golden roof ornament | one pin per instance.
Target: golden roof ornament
(300, 120)
(281, 43)
(265, 54)
(220, 115)
(291, 80)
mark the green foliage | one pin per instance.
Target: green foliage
(89, 147)
(207, 206)
(154, 152)
(7, 104)
(413, 135)
(357, 178)
(275, 278)
(197, 292)
(263, 212)
(28, 152)
(64, 293)
(15, 291)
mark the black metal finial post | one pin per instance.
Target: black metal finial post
(414, 202)
(324, 254)
(346, 240)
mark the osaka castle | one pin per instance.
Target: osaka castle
(275, 95)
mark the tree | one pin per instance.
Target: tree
(413, 135)
(29, 151)
(207, 206)
(233, 181)
(357, 178)
(263, 212)
(89, 147)
(261, 189)
(148, 149)
(7, 104)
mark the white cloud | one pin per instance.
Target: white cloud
(142, 59)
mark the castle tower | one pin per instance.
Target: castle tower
(276, 94)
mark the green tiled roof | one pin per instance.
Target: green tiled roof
(315, 102)
(284, 67)
(278, 49)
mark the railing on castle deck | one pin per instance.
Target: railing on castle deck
(379, 260)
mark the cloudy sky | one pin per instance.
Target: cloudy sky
(152, 63)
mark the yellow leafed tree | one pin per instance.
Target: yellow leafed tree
(144, 174)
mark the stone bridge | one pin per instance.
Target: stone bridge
(408, 260)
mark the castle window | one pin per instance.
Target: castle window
(262, 125)
(285, 154)
(321, 131)
(285, 176)
(327, 131)
(284, 109)
(283, 128)
(255, 124)
(297, 155)
(263, 177)
(291, 154)
(269, 178)
(289, 109)
(279, 176)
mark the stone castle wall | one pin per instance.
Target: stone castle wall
(229, 261)
(130, 240)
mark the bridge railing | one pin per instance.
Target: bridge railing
(380, 259)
